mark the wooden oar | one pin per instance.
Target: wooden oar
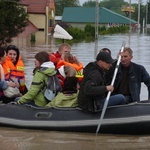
(108, 95)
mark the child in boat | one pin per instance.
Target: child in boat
(68, 97)
(68, 59)
(63, 72)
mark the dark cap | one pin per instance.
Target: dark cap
(104, 56)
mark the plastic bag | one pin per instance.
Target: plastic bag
(49, 94)
(11, 92)
(52, 87)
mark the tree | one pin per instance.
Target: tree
(115, 5)
(89, 4)
(13, 20)
(60, 4)
(148, 13)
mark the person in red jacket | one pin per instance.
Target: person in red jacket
(63, 48)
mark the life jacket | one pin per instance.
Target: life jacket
(6, 68)
(78, 68)
(15, 73)
(65, 63)
(55, 57)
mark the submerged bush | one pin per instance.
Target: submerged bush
(89, 32)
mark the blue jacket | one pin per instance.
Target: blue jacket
(137, 75)
(3, 85)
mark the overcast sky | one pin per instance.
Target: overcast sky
(132, 1)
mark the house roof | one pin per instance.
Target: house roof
(87, 15)
(35, 6)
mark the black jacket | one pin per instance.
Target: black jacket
(137, 75)
(93, 87)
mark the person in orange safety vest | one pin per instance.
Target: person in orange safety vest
(14, 67)
(69, 60)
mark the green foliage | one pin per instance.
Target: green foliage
(115, 5)
(12, 20)
(60, 4)
(102, 30)
(76, 33)
(89, 4)
(116, 29)
(79, 35)
(89, 32)
(148, 13)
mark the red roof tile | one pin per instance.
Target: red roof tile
(37, 6)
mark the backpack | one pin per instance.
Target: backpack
(52, 87)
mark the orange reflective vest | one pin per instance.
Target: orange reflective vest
(78, 68)
(6, 69)
(15, 73)
(75, 66)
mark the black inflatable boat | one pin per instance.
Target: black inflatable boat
(133, 118)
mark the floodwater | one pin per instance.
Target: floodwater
(25, 139)
(16, 139)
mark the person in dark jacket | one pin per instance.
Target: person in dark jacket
(105, 50)
(110, 72)
(129, 78)
(93, 89)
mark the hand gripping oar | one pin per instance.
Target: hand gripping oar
(108, 95)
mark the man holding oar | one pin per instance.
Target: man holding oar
(93, 89)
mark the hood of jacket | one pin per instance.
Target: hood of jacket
(47, 68)
(91, 67)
